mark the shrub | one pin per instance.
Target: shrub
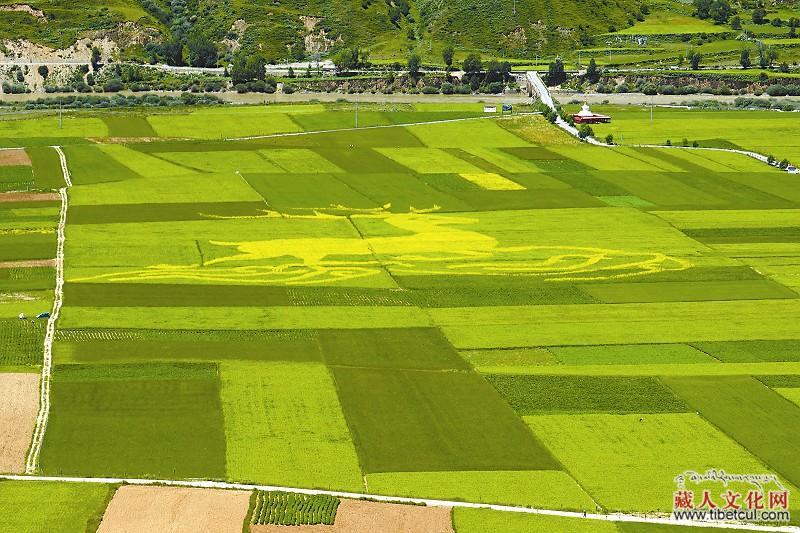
(585, 131)
(784, 163)
(428, 89)
(447, 88)
(114, 85)
(288, 88)
(668, 143)
(609, 139)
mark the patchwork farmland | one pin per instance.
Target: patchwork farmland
(436, 304)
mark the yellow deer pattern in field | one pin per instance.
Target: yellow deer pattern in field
(419, 243)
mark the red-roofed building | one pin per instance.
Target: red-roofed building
(585, 116)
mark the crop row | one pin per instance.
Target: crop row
(21, 341)
(288, 509)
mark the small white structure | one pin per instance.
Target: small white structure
(490, 109)
(791, 169)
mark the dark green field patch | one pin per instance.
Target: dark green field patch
(47, 173)
(419, 421)
(535, 294)
(403, 191)
(173, 295)
(752, 351)
(27, 246)
(16, 178)
(531, 395)
(140, 420)
(119, 213)
(587, 181)
(760, 419)
(744, 235)
(26, 278)
(129, 346)
(533, 153)
(89, 164)
(734, 193)
(400, 348)
(360, 160)
(777, 382)
(475, 160)
(306, 191)
(448, 183)
(21, 341)
(128, 126)
(688, 291)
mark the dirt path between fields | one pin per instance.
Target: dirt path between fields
(357, 516)
(18, 408)
(175, 510)
(28, 263)
(28, 196)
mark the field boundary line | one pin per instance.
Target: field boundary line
(378, 126)
(208, 484)
(32, 461)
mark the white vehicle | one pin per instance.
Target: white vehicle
(791, 169)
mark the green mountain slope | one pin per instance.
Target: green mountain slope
(285, 29)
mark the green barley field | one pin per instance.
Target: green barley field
(436, 304)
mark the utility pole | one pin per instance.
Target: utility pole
(60, 115)
(356, 114)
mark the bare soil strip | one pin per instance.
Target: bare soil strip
(14, 158)
(357, 516)
(18, 408)
(28, 196)
(28, 263)
(175, 510)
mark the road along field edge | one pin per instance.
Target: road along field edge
(207, 484)
(32, 461)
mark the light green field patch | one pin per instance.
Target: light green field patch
(695, 157)
(534, 488)
(504, 160)
(467, 520)
(630, 354)
(656, 323)
(319, 317)
(740, 218)
(626, 201)
(514, 357)
(72, 126)
(299, 160)
(602, 159)
(629, 462)
(221, 161)
(143, 164)
(178, 189)
(492, 182)
(428, 160)
(222, 123)
(790, 393)
(35, 507)
(284, 426)
(736, 162)
(653, 369)
(481, 133)
(649, 158)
